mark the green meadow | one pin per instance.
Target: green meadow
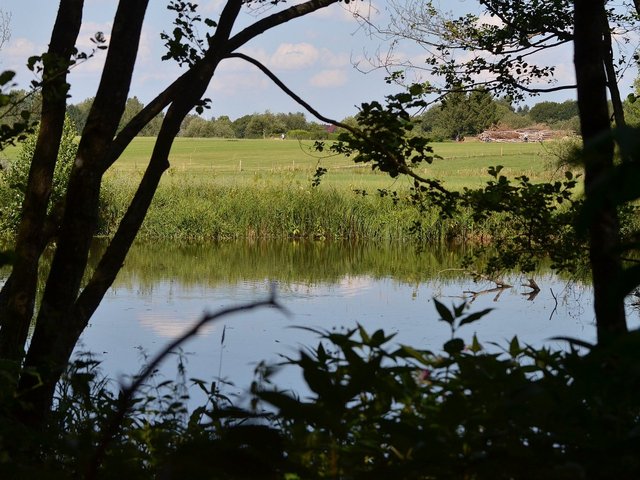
(269, 161)
(229, 189)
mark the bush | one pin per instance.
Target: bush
(13, 183)
(383, 411)
(374, 410)
(299, 134)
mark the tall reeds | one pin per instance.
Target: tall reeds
(187, 207)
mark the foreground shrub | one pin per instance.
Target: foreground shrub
(373, 410)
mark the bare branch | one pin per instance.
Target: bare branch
(274, 20)
(127, 393)
(5, 27)
(395, 157)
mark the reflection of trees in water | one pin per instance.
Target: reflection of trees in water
(575, 298)
(165, 268)
(286, 262)
(296, 267)
(564, 297)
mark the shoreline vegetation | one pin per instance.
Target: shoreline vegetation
(262, 189)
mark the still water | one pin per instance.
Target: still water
(164, 288)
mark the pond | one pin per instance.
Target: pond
(164, 288)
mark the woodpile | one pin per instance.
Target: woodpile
(522, 135)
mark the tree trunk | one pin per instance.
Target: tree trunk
(52, 346)
(64, 311)
(589, 60)
(79, 222)
(19, 292)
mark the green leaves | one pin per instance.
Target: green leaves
(445, 314)
(473, 317)
(6, 77)
(469, 413)
(455, 317)
(15, 177)
(454, 346)
(540, 219)
(375, 411)
(15, 120)
(384, 139)
(183, 44)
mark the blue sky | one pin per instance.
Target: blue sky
(313, 55)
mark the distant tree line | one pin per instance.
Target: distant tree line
(256, 125)
(459, 114)
(462, 114)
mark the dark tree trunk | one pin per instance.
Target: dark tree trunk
(64, 311)
(47, 352)
(18, 295)
(589, 59)
(52, 346)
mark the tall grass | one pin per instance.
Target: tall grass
(223, 189)
(192, 207)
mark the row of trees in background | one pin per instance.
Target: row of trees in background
(256, 125)
(459, 114)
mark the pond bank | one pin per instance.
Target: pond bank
(192, 209)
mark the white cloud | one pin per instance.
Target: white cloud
(294, 56)
(170, 325)
(21, 48)
(351, 286)
(329, 79)
(147, 42)
(290, 56)
(234, 83)
(333, 60)
(259, 54)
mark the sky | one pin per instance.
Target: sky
(314, 55)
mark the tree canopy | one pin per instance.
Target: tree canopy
(467, 52)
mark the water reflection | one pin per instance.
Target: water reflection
(288, 262)
(163, 288)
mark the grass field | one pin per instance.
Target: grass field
(232, 161)
(237, 162)
(262, 188)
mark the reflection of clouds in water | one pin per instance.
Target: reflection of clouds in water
(171, 325)
(350, 286)
(346, 286)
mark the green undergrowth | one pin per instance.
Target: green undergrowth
(373, 409)
(187, 207)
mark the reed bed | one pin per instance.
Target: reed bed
(230, 189)
(192, 207)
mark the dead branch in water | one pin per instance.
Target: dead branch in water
(535, 290)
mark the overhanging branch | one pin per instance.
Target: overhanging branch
(394, 156)
(274, 20)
